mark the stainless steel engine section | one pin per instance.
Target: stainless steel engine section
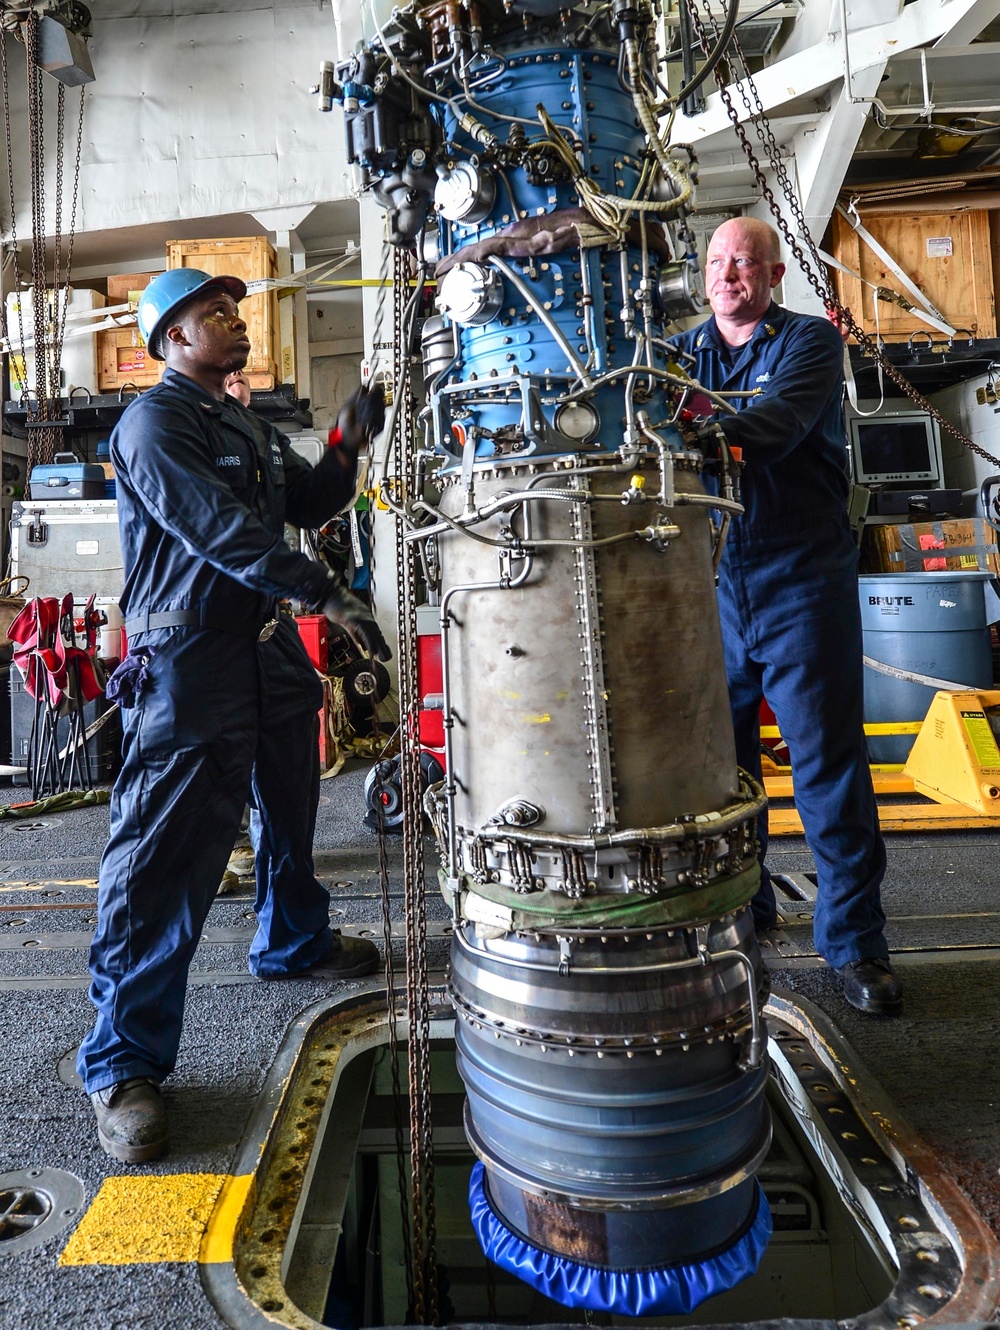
(578, 691)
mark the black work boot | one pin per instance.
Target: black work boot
(870, 985)
(131, 1120)
(348, 958)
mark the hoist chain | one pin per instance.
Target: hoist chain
(40, 443)
(425, 1302)
(65, 280)
(390, 997)
(401, 1126)
(817, 277)
(76, 191)
(60, 135)
(383, 281)
(50, 304)
(9, 163)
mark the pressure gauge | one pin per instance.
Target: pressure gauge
(470, 294)
(466, 193)
(578, 421)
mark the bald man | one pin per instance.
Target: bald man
(788, 593)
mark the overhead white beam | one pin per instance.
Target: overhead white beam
(283, 219)
(823, 152)
(820, 156)
(969, 26)
(811, 71)
(820, 18)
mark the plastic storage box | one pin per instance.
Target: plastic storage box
(67, 478)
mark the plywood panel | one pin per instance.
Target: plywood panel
(947, 255)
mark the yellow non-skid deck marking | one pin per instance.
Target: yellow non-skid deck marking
(151, 1220)
(217, 1243)
(37, 884)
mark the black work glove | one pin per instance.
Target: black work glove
(361, 417)
(357, 621)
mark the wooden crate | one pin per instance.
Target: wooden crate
(122, 358)
(947, 255)
(121, 353)
(248, 257)
(123, 285)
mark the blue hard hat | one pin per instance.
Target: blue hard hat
(165, 295)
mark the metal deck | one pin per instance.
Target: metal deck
(131, 1247)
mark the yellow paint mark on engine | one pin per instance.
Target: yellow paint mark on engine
(542, 719)
(149, 1220)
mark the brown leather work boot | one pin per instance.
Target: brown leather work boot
(131, 1120)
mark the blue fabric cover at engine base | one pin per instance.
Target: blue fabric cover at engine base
(666, 1292)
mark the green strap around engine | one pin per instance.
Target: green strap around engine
(549, 909)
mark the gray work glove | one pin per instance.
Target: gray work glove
(357, 621)
(361, 417)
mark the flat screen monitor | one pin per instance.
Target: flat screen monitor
(896, 448)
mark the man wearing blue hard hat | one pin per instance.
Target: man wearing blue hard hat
(219, 698)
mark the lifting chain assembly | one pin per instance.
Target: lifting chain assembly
(425, 1310)
(705, 25)
(50, 302)
(390, 998)
(383, 284)
(419, 1221)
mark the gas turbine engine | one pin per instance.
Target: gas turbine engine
(598, 839)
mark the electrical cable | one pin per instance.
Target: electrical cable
(714, 55)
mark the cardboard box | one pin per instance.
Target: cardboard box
(952, 545)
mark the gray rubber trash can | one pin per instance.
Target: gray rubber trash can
(928, 623)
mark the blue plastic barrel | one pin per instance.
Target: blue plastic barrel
(928, 623)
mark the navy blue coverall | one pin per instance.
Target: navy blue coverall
(791, 620)
(204, 489)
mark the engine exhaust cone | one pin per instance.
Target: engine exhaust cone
(665, 1291)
